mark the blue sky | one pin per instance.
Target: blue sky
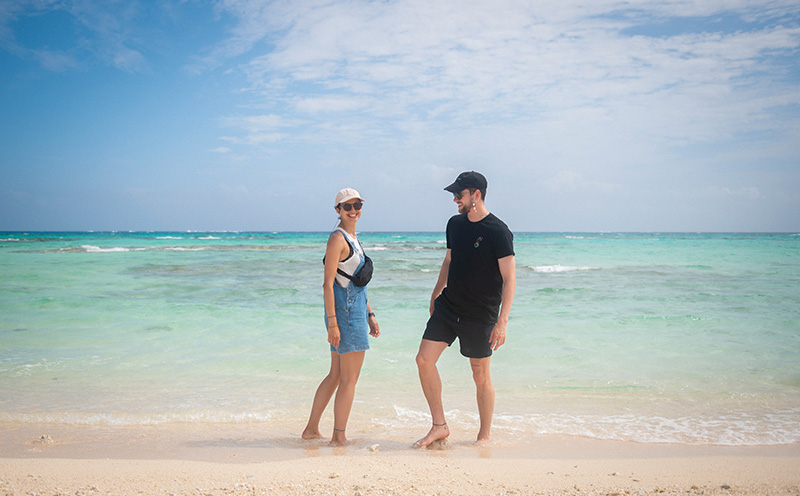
(249, 115)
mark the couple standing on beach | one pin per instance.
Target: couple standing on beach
(471, 301)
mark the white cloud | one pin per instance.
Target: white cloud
(104, 33)
(221, 149)
(54, 61)
(328, 104)
(573, 182)
(434, 65)
(747, 193)
(254, 139)
(584, 103)
(255, 123)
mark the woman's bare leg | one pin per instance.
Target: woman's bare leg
(349, 370)
(322, 397)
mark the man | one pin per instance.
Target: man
(471, 301)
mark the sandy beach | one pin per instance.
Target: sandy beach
(249, 460)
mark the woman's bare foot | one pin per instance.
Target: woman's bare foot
(437, 433)
(309, 433)
(338, 438)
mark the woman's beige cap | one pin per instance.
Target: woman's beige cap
(346, 195)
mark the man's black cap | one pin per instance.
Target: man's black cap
(470, 179)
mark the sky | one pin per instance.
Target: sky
(249, 115)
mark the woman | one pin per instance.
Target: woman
(348, 316)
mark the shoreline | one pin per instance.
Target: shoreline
(255, 459)
(260, 441)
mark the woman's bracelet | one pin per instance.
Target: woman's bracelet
(370, 314)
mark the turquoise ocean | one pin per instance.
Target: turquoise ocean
(660, 338)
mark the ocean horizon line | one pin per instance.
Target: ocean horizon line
(217, 231)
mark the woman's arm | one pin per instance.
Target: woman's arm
(374, 328)
(337, 247)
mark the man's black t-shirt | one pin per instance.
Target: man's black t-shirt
(474, 283)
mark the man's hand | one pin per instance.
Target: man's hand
(498, 337)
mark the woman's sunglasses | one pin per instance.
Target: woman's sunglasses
(350, 206)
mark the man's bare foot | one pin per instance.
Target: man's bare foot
(311, 434)
(438, 432)
(481, 443)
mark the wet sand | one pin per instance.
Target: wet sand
(251, 459)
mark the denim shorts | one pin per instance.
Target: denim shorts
(445, 326)
(351, 315)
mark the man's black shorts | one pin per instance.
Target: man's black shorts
(445, 326)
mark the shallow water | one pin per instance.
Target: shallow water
(677, 338)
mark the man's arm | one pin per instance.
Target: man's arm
(442, 281)
(508, 270)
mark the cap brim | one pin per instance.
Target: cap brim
(453, 188)
(347, 199)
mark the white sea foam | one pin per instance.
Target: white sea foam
(23, 370)
(731, 429)
(97, 249)
(126, 419)
(778, 427)
(549, 269)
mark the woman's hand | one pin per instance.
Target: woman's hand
(374, 328)
(334, 336)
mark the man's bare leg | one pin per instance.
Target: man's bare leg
(321, 399)
(485, 393)
(428, 355)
